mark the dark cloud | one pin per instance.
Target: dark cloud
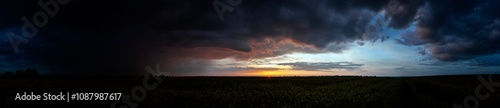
(316, 23)
(434, 63)
(422, 51)
(486, 61)
(459, 30)
(454, 30)
(410, 38)
(121, 37)
(404, 68)
(323, 66)
(242, 69)
(402, 12)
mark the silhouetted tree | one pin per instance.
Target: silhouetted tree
(27, 73)
(9, 74)
(30, 72)
(19, 73)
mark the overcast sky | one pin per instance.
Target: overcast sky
(251, 37)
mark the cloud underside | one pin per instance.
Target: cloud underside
(453, 31)
(323, 66)
(298, 66)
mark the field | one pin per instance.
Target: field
(282, 92)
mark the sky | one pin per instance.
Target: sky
(251, 37)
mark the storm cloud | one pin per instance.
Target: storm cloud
(457, 30)
(323, 66)
(121, 37)
(114, 36)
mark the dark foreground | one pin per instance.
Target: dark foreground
(282, 92)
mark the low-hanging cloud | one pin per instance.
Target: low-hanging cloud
(323, 66)
(456, 30)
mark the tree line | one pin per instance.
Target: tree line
(26, 73)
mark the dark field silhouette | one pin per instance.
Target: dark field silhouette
(289, 92)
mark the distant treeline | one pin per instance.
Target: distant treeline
(26, 73)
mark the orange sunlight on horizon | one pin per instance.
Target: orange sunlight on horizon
(274, 73)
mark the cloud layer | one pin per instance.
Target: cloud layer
(115, 36)
(121, 37)
(456, 30)
(323, 66)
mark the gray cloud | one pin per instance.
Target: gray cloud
(453, 30)
(410, 38)
(321, 66)
(404, 68)
(459, 30)
(484, 61)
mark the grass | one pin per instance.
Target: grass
(282, 92)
